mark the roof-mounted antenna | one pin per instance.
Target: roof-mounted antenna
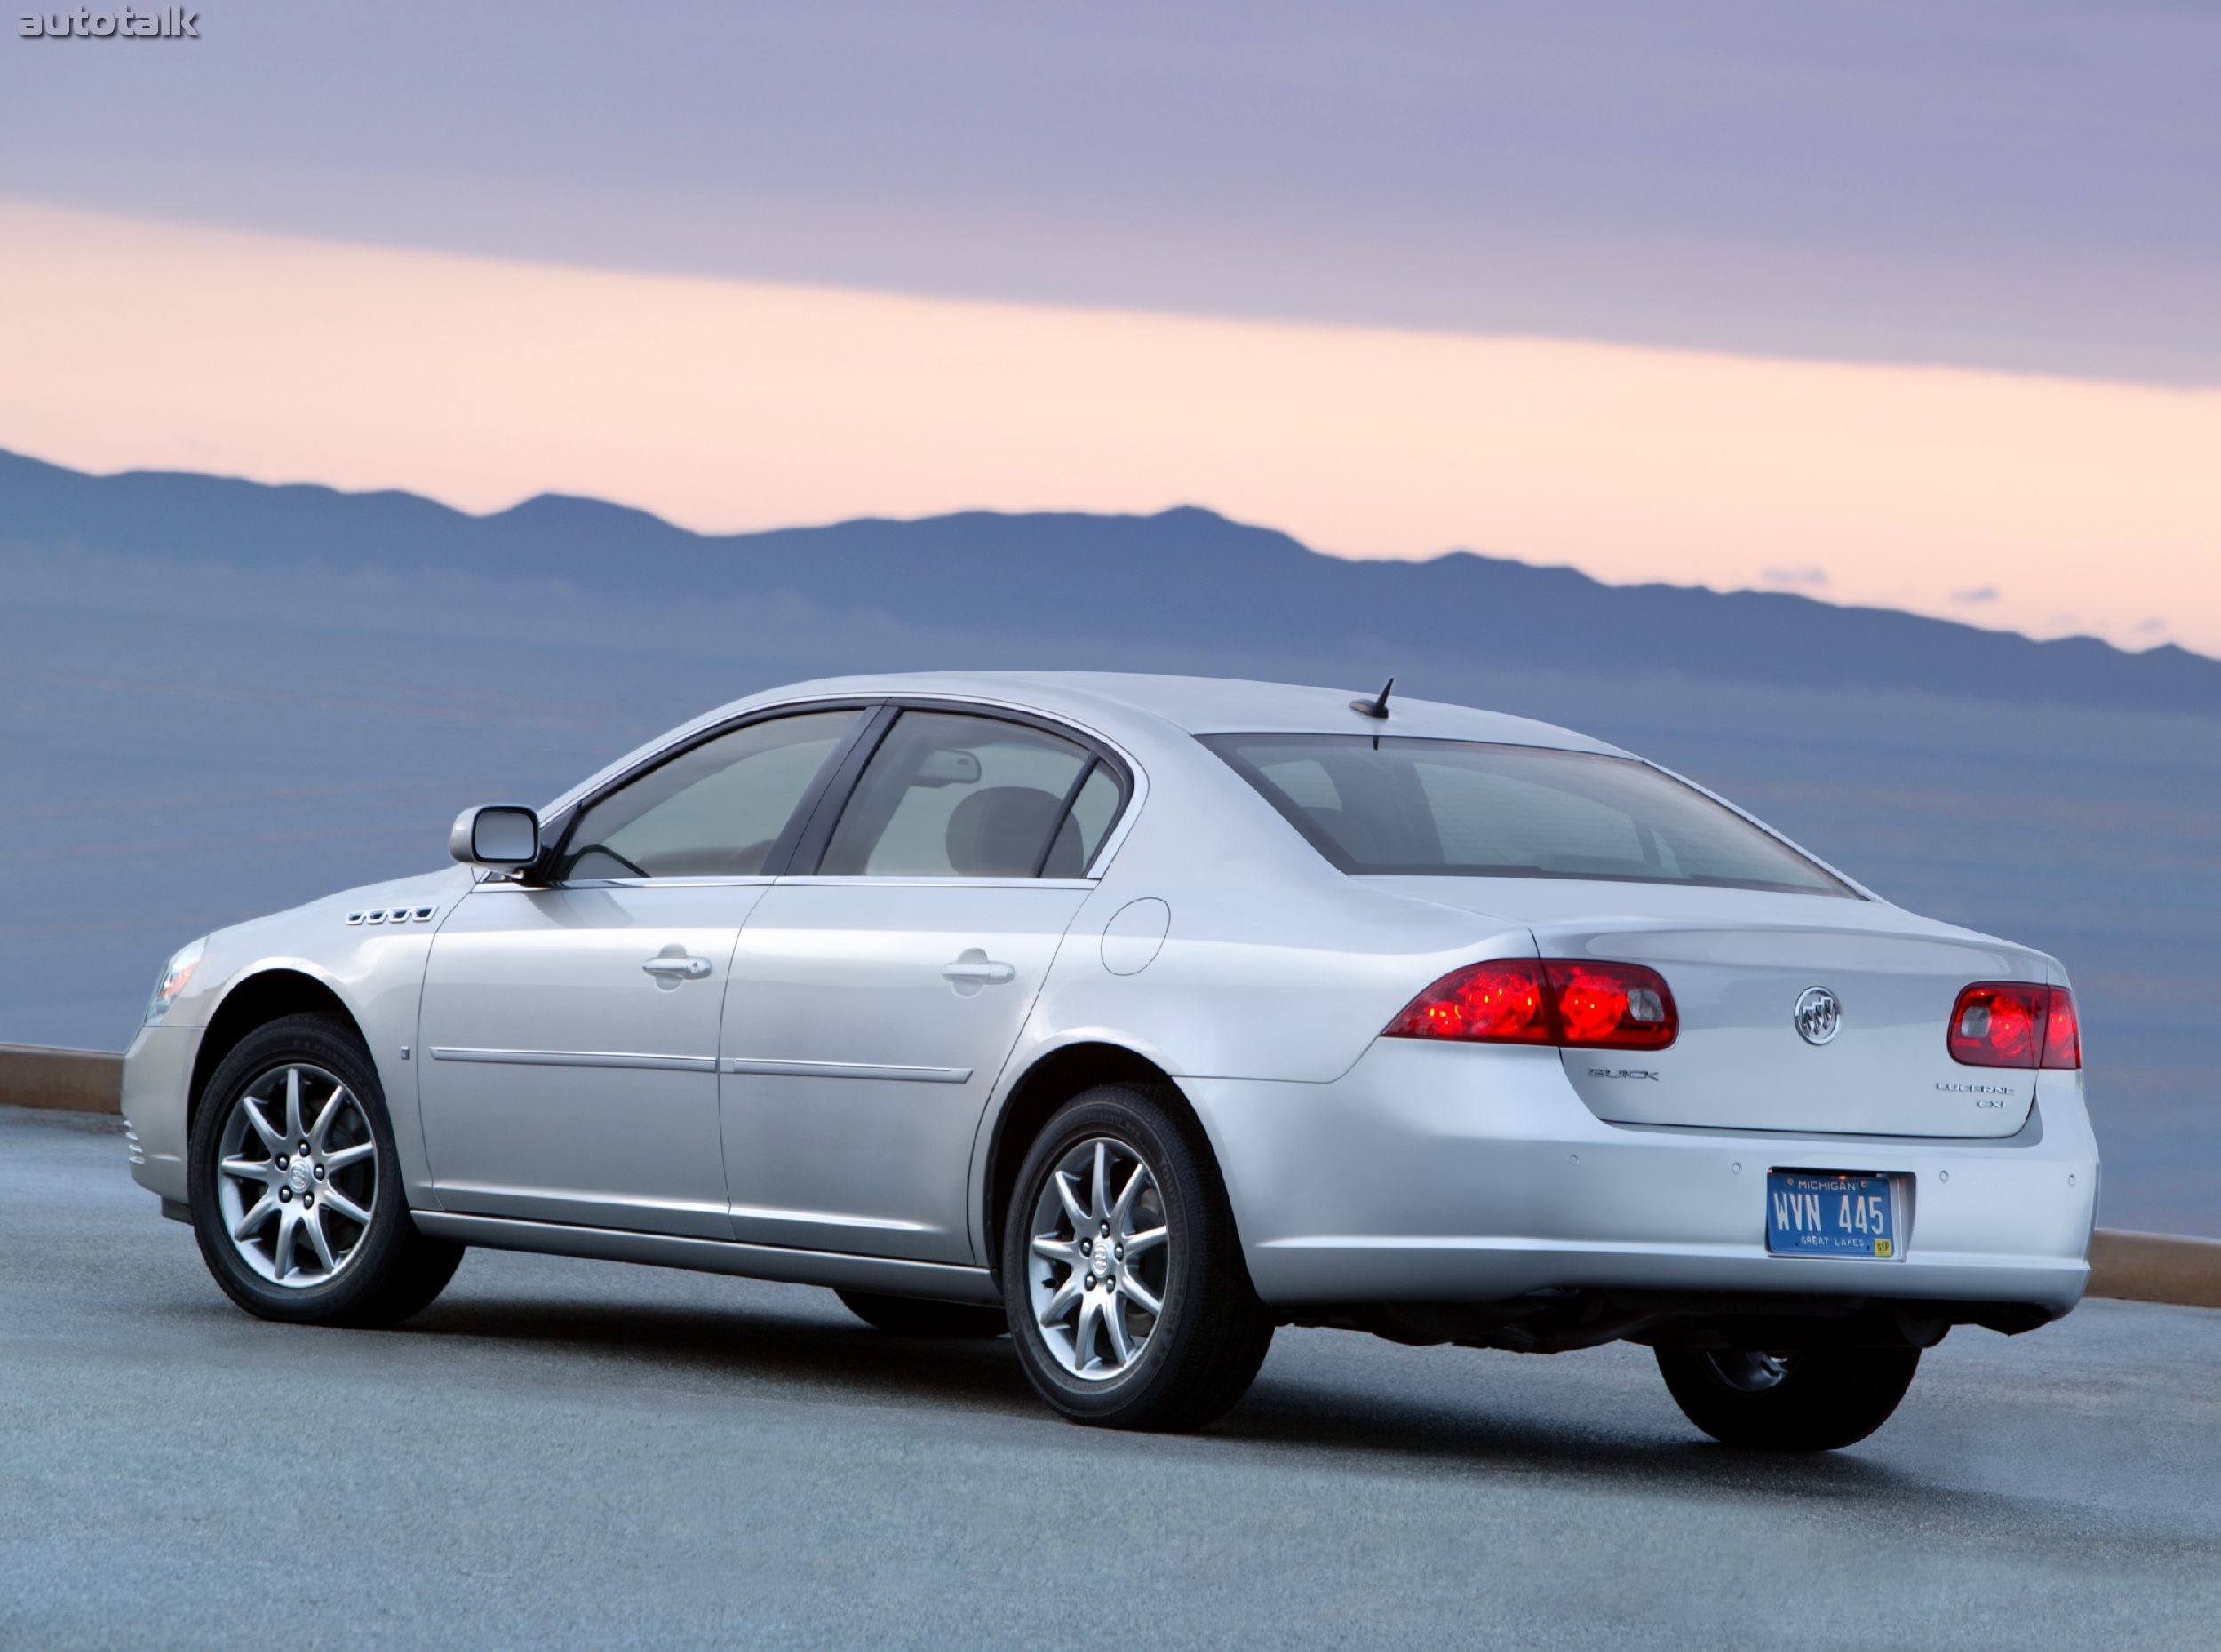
(1376, 708)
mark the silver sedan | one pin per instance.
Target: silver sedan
(1138, 1016)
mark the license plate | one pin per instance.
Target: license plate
(1830, 1213)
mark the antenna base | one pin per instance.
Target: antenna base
(1376, 708)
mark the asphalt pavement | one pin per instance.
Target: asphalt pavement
(584, 1454)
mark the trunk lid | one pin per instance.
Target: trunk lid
(1739, 962)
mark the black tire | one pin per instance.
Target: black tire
(1821, 1400)
(1205, 1347)
(393, 1270)
(915, 1316)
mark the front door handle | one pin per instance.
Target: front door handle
(975, 969)
(672, 970)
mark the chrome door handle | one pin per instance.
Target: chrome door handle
(976, 967)
(677, 969)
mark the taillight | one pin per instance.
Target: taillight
(1500, 1002)
(2062, 1031)
(2010, 1023)
(1551, 1001)
(1611, 1007)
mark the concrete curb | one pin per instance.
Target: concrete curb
(2155, 1268)
(63, 1081)
(2136, 1268)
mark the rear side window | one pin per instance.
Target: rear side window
(948, 795)
(1390, 806)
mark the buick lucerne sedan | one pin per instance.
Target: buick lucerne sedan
(1138, 1016)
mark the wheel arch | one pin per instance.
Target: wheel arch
(255, 1000)
(1054, 1078)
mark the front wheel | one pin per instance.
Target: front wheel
(1129, 1298)
(296, 1186)
(1819, 1399)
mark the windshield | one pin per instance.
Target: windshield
(1389, 805)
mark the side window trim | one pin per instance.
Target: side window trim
(809, 851)
(1064, 812)
(832, 801)
(870, 715)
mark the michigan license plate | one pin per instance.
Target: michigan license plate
(1830, 1213)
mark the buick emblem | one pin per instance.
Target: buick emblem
(1819, 1015)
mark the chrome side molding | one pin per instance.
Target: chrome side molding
(845, 1069)
(652, 1062)
(579, 1058)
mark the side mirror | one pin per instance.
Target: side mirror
(496, 834)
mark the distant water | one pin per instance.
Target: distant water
(183, 747)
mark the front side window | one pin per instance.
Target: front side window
(1391, 805)
(947, 795)
(716, 810)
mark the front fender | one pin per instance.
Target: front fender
(374, 971)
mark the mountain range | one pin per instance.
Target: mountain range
(1178, 581)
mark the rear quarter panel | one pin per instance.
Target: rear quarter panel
(1273, 965)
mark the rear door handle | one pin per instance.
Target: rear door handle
(678, 969)
(976, 968)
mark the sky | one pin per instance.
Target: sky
(1895, 303)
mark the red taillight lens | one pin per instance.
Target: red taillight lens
(1500, 1002)
(1552, 1001)
(2007, 1024)
(2062, 1031)
(1611, 1007)
(1998, 1024)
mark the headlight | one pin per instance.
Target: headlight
(175, 973)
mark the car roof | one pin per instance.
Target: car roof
(1134, 710)
(1209, 706)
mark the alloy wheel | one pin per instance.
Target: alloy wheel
(1101, 1259)
(297, 1175)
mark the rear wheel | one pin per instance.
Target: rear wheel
(1129, 1298)
(296, 1187)
(915, 1316)
(1819, 1399)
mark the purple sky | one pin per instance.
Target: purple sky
(2027, 185)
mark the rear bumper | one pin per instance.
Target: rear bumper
(157, 1073)
(1433, 1173)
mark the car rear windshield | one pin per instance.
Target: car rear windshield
(1430, 807)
